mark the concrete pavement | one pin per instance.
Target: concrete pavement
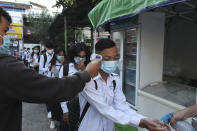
(35, 118)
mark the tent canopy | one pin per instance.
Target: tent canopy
(112, 10)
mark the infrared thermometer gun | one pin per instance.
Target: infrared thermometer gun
(96, 58)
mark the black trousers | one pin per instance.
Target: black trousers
(63, 126)
(55, 110)
(26, 63)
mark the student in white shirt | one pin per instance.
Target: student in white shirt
(44, 67)
(78, 60)
(107, 100)
(23, 53)
(34, 58)
(45, 59)
(55, 66)
(28, 54)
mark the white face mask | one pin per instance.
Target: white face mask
(50, 51)
(109, 66)
(5, 45)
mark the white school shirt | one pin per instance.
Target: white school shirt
(35, 60)
(27, 54)
(107, 106)
(72, 70)
(58, 66)
(23, 54)
(46, 69)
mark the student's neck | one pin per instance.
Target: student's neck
(104, 75)
(76, 66)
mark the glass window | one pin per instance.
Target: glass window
(129, 74)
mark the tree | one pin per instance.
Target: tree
(71, 3)
(36, 27)
(74, 15)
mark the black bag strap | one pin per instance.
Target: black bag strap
(114, 84)
(65, 69)
(86, 106)
(45, 60)
(84, 112)
(38, 58)
(96, 85)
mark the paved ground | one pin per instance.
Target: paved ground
(35, 118)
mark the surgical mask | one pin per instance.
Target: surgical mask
(5, 46)
(36, 51)
(109, 66)
(50, 51)
(77, 59)
(60, 58)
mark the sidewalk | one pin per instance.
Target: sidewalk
(35, 118)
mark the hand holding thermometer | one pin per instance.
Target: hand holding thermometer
(96, 57)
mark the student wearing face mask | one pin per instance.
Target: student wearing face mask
(35, 58)
(55, 65)
(5, 46)
(46, 58)
(104, 100)
(27, 57)
(78, 61)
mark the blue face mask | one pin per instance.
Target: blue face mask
(77, 59)
(60, 58)
(5, 46)
(109, 66)
(36, 51)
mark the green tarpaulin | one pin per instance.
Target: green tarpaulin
(111, 10)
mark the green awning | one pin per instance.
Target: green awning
(112, 10)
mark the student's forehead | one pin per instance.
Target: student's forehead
(110, 51)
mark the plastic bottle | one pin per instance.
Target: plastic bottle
(183, 126)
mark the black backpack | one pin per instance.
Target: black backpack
(74, 110)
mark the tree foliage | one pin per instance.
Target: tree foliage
(39, 25)
(71, 3)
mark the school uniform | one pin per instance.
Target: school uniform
(26, 57)
(44, 69)
(55, 108)
(23, 55)
(35, 61)
(107, 106)
(55, 73)
(72, 70)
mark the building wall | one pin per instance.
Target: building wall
(151, 47)
(181, 49)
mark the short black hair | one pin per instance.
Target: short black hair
(5, 15)
(37, 47)
(49, 44)
(103, 44)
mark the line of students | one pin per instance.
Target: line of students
(103, 97)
